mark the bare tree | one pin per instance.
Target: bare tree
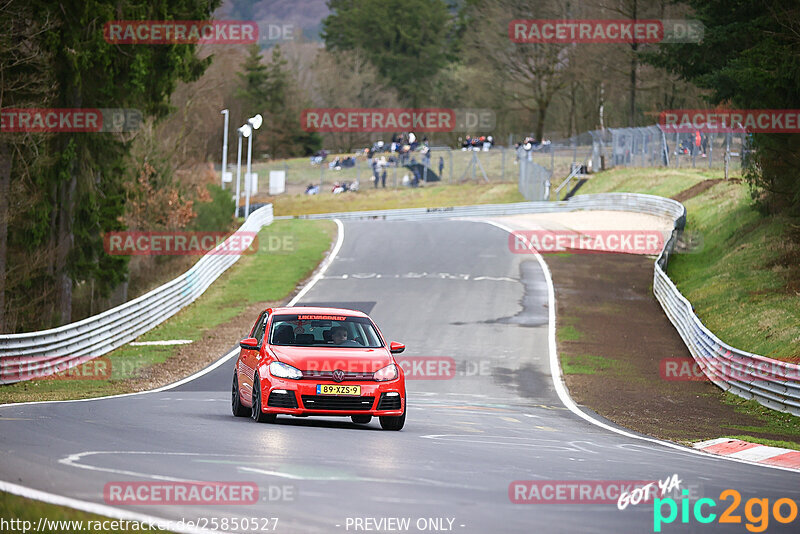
(528, 74)
(346, 79)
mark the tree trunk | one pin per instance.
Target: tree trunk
(541, 113)
(5, 183)
(66, 203)
(634, 66)
(572, 126)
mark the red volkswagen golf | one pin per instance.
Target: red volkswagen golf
(305, 361)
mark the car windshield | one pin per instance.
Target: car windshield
(324, 330)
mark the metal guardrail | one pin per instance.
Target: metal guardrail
(75, 343)
(773, 383)
(611, 201)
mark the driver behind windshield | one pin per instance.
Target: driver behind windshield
(339, 336)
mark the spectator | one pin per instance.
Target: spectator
(441, 166)
(375, 171)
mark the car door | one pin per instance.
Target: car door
(248, 359)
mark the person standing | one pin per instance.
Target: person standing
(382, 164)
(441, 166)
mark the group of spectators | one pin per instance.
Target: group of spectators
(530, 143)
(694, 144)
(476, 143)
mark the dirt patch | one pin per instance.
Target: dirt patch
(696, 189)
(608, 299)
(215, 342)
(189, 359)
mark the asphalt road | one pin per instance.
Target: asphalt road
(447, 289)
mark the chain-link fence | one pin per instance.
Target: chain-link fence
(597, 150)
(534, 179)
(390, 170)
(652, 146)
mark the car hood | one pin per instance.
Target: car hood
(347, 359)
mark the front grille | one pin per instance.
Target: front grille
(282, 400)
(328, 375)
(333, 402)
(389, 403)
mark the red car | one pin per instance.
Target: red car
(305, 361)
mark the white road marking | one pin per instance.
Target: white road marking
(317, 277)
(561, 388)
(100, 509)
(426, 275)
(158, 343)
(117, 513)
(225, 358)
(356, 478)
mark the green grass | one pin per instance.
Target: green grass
(569, 333)
(20, 508)
(771, 421)
(421, 197)
(655, 181)
(268, 275)
(585, 364)
(737, 281)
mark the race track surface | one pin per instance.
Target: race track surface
(445, 289)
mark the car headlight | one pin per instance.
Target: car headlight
(282, 370)
(387, 373)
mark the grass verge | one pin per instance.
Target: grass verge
(288, 253)
(378, 199)
(743, 287)
(23, 515)
(740, 279)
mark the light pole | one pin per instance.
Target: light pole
(224, 147)
(243, 131)
(255, 124)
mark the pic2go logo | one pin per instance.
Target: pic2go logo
(757, 522)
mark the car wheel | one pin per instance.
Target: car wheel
(257, 415)
(236, 404)
(391, 422)
(361, 419)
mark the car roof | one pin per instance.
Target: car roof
(318, 310)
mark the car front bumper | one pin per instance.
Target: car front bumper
(299, 397)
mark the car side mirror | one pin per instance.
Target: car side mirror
(249, 343)
(396, 348)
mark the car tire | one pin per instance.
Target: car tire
(391, 422)
(236, 401)
(257, 415)
(361, 419)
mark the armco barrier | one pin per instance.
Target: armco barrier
(94, 336)
(736, 371)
